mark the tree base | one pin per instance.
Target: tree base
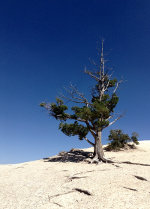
(96, 160)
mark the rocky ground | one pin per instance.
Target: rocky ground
(66, 181)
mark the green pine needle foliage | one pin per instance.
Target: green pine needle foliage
(73, 129)
(90, 115)
(120, 140)
(96, 114)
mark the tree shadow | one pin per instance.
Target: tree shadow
(74, 155)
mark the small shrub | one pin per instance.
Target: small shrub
(119, 140)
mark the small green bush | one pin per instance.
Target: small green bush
(120, 140)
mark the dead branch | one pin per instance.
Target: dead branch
(71, 100)
(92, 75)
(115, 120)
(75, 96)
(117, 85)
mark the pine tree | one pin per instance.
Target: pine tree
(89, 116)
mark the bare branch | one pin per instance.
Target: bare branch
(115, 114)
(89, 141)
(107, 85)
(105, 89)
(78, 93)
(92, 75)
(115, 120)
(72, 100)
(75, 95)
(94, 63)
(111, 116)
(117, 85)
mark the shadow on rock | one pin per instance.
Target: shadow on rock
(74, 155)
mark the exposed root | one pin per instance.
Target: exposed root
(96, 160)
(104, 160)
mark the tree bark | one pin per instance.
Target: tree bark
(98, 149)
(98, 155)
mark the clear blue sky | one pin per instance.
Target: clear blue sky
(46, 44)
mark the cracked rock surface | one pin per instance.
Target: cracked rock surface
(67, 181)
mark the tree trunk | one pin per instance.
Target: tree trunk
(98, 149)
(98, 155)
